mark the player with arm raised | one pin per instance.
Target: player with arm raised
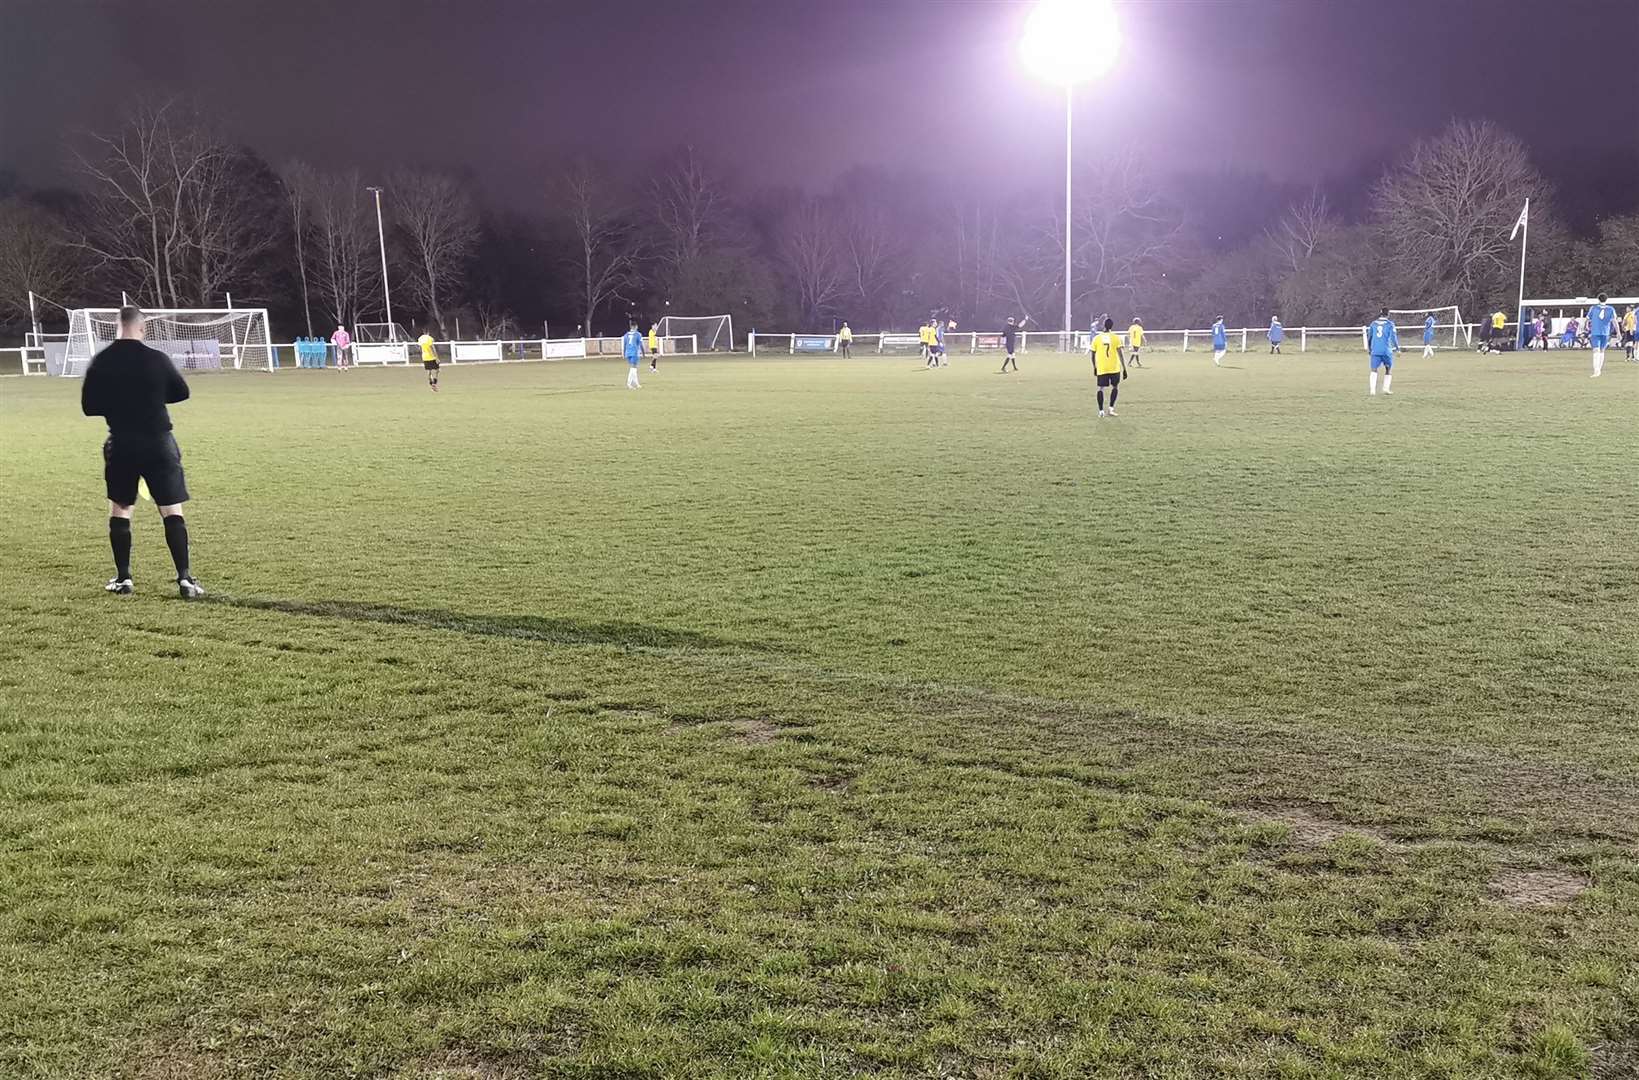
(129, 384)
(1601, 321)
(1010, 344)
(1384, 341)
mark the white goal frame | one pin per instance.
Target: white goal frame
(1456, 324)
(711, 333)
(243, 338)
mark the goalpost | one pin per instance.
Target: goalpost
(196, 339)
(1451, 313)
(712, 333)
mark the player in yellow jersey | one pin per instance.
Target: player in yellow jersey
(654, 346)
(1630, 331)
(1135, 341)
(1109, 363)
(929, 357)
(429, 359)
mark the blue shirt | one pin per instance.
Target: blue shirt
(939, 332)
(1220, 336)
(1428, 330)
(1600, 318)
(632, 345)
(1384, 338)
(1276, 332)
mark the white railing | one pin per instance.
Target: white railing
(30, 360)
(1241, 339)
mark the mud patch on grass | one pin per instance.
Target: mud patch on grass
(1617, 1060)
(1522, 888)
(1310, 827)
(463, 1065)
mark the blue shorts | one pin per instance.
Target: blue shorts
(1382, 361)
(1599, 341)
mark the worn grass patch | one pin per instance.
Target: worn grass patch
(816, 719)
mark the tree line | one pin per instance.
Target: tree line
(173, 211)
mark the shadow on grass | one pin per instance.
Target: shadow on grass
(556, 630)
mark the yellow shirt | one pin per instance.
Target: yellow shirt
(429, 355)
(927, 334)
(845, 334)
(654, 341)
(1629, 321)
(1135, 335)
(1106, 358)
(1499, 320)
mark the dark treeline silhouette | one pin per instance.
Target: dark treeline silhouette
(174, 211)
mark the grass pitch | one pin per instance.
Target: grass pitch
(816, 719)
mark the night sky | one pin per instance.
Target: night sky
(795, 92)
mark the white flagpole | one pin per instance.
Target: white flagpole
(1519, 310)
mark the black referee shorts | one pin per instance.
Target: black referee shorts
(156, 459)
(1109, 378)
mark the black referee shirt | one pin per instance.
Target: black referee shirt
(130, 384)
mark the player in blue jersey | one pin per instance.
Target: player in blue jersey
(1220, 341)
(1277, 334)
(1384, 341)
(1428, 335)
(1601, 321)
(632, 346)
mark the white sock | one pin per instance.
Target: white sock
(1387, 375)
(1374, 382)
(1598, 361)
(1428, 351)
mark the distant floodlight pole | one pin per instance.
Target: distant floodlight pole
(386, 293)
(1067, 42)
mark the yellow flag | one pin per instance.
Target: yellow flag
(142, 490)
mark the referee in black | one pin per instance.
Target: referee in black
(129, 385)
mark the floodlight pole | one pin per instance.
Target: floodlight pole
(1069, 326)
(386, 293)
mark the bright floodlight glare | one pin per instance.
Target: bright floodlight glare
(1068, 41)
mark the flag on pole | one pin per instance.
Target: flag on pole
(1524, 218)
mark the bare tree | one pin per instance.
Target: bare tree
(342, 238)
(1124, 230)
(688, 209)
(809, 246)
(607, 241)
(34, 256)
(436, 217)
(1446, 211)
(177, 205)
(1302, 228)
(299, 182)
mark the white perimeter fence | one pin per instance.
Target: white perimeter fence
(1241, 339)
(31, 360)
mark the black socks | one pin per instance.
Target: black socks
(176, 538)
(1113, 390)
(119, 538)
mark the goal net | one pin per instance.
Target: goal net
(713, 333)
(1446, 320)
(196, 339)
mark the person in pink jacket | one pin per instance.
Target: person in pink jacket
(341, 341)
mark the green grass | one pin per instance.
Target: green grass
(817, 719)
